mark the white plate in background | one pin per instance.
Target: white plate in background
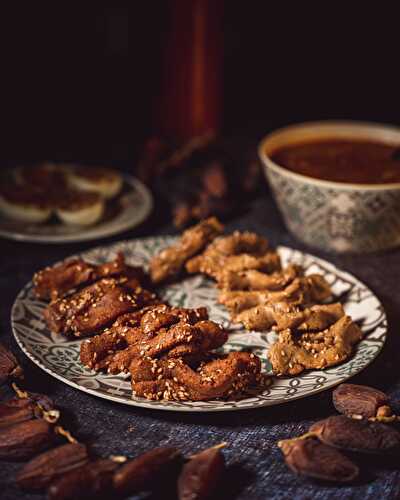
(124, 212)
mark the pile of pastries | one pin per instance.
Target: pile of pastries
(76, 195)
(171, 352)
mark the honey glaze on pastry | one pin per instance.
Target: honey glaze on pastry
(174, 353)
(96, 306)
(160, 331)
(222, 376)
(170, 262)
(66, 277)
(169, 353)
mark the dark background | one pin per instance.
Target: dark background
(79, 79)
(79, 82)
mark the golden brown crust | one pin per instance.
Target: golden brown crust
(170, 351)
(153, 330)
(96, 306)
(181, 340)
(282, 315)
(296, 352)
(98, 352)
(239, 243)
(301, 290)
(224, 376)
(237, 252)
(257, 280)
(315, 318)
(256, 309)
(57, 281)
(258, 318)
(170, 261)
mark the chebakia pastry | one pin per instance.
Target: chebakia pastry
(170, 354)
(167, 264)
(176, 353)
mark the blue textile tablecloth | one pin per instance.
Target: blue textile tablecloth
(255, 466)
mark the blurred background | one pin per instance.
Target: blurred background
(89, 82)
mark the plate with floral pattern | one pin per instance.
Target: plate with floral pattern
(60, 357)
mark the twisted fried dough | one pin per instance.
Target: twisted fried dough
(175, 380)
(169, 262)
(296, 352)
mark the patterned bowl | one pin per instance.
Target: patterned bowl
(334, 216)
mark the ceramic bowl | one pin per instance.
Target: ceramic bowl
(334, 216)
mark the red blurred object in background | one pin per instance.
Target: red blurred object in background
(192, 73)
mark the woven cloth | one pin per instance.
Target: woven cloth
(255, 466)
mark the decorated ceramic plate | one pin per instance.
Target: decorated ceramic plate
(126, 211)
(60, 357)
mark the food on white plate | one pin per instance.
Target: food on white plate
(172, 353)
(75, 194)
(23, 204)
(42, 178)
(80, 208)
(104, 181)
(168, 263)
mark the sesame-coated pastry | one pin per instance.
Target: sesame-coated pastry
(170, 262)
(96, 306)
(302, 291)
(174, 379)
(239, 251)
(256, 280)
(144, 330)
(295, 352)
(56, 281)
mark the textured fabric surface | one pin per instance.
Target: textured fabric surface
(255, 466)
